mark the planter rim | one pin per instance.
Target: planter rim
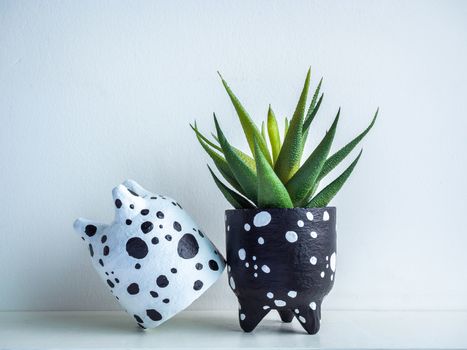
(280, 209)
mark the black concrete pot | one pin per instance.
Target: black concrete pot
(282, 259)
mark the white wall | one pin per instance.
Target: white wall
(94, 92)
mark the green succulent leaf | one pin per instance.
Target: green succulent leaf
(219, 162)
(290, 155)
(302, 183)
(313, 108)
(204, 138)
(274, 137)
(326, 194)
(237, 201)
(311, 115)
(315, 96)
(337, 157)
(243, 173)
(249, 161)
(246, 158)
(271, 191)
(273, 177)
(250, 129)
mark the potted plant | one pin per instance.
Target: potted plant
(281, 236)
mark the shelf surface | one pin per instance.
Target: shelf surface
(220, 330)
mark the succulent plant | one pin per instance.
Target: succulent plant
(275, 177)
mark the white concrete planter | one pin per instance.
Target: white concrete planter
(153, 257)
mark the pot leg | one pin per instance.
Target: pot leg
(286, 315)
(309, 319)
(250, 315)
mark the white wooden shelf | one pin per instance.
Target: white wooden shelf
(220, 330)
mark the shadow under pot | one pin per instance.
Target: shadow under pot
(281, 259)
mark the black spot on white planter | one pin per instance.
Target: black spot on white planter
(187, 246)
(177, 226)
(104, 239)
(288, 269)
(138, 319)
(153, 294)
(118, 203)
(162, 281)
(145, 212)
(154, 315)
(155, 240)
(136, 248)
(198, 285)
(110, 283)
(160, 215)
(133, 289)
(91, 251)
(128, 222)
(90, 230)
(213, 265)
(147, 227)
(106, 250)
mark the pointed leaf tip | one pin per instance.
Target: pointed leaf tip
(341, 154)
(274, 136)
(250, 129)
(323, 198)
(290, 155)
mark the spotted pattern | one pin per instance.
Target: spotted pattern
(153, 258)
(254, 244)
